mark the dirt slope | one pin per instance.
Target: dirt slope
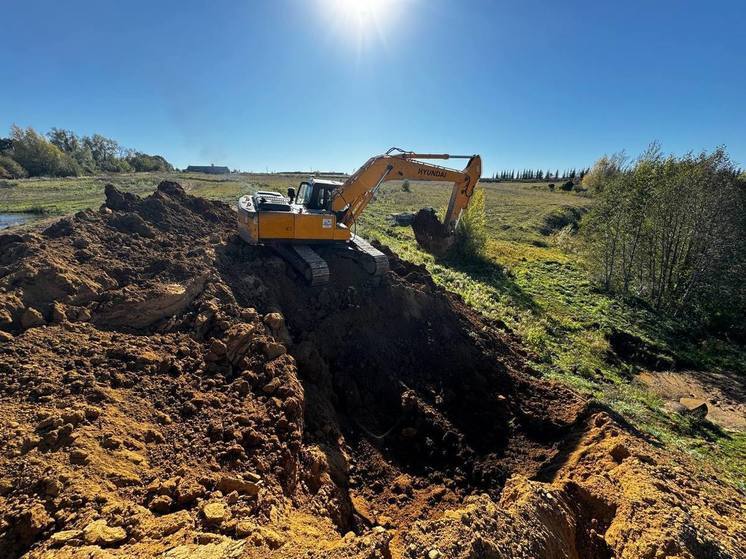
(166, 390)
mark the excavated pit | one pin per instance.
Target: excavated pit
(167, 390)
(413, 381)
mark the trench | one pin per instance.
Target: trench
(401, 379)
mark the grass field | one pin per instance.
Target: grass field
(533, 278)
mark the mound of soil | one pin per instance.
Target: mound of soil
(430, 233)
(167, 390)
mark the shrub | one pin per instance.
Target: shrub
(560, 218)
(141, 162)
(40, 157)
(471, 231)
(602, 170)
(115, 166)
(405, 186)
(10, 169)
(671, 230)
(567, 186)
(551, 186)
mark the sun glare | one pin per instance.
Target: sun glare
(367, 22)
(361, 9)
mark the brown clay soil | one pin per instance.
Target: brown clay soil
(723, 395)
(169, 391)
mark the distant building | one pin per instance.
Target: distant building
(211, 170)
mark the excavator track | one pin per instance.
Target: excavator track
(366, 255)
(306, 261)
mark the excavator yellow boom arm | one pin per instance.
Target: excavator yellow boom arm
(352, 197)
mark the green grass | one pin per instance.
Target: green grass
(67, 195)
(535, 283)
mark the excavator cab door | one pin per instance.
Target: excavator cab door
(313, 220)
(303, 197)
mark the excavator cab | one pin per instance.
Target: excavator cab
(316, 194)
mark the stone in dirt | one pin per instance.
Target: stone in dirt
(170, 524)
(229, 483)
(215, 513)
(161, 504)
(100, 533)
(694, 407)
(32, 318)
(65, 537)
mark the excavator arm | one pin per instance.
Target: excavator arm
(352, 197)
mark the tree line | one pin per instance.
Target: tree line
(62, 153)
(672, 231)
(539, 175)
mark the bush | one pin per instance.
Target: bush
(10, 169)
(602, 170)
(115, 166)
(405, 186)
(551, 186)
(567, 186)
(141, 162)
(40, 157)
(671, 230)
(560, 218)
(471, 231)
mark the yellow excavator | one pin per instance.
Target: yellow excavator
(323, 212)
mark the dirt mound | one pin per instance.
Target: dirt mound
(430, 233)
(167, 390)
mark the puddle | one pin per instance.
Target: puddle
(14, 219)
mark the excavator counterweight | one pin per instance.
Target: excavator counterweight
(323, 212)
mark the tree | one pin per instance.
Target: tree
(141, 162)
(671, 230)
(10, 169)
(471, 231)
(75, 147)
(66, 140)
(62, 153)
(40, 157)
(102, 149)
(602, 170)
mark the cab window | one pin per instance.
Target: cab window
(304, 194)
(321, 197)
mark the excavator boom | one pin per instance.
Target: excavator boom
(352, 197)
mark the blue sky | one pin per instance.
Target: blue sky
(324, 84)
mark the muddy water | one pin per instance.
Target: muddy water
(14, 219)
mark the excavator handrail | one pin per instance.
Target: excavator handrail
(404, 154)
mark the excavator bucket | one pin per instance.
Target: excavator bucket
(431, 234)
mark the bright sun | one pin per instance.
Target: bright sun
(365, 21)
